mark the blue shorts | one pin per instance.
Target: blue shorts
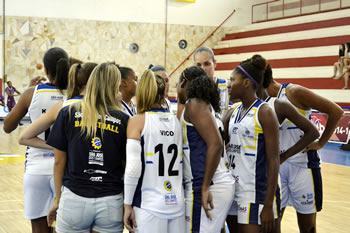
(78, 214)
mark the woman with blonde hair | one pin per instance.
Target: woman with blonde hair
(154, 198)
(89, 141)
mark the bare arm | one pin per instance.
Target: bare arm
(269, 124)
(29, 136)
(58, 171)
(135, 127)
(19, 111)
(285, 110)
(59, 167)
(309, 100)
(180, 109)
(198, 113)
(133, 168)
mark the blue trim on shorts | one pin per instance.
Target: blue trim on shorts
(253, 213)
(197, 211)
(313, 159)
(138, 192)
(198, 153)
(317, 177)
(260, 171)
(278, 201)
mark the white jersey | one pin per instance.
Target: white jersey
(160, 188)
(127, 109)
(246, 151)
(40, 161)
(73, 100)
(290, 134)
(195, 151)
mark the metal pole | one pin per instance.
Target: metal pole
(165, 34)
(3, 45)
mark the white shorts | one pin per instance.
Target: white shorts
(149, 223)
(301, 188)
(78, 214)
(39, 191)
(196, 219)
(249, 213)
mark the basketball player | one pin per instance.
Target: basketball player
(154, 198)
(78, 77)
(253, 151)
(128, 90)
(209, 185)
(204, 58)
(38, 179)
(10, 90)
(161, 72)
(89, 138)
(301, 174)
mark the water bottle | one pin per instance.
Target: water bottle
(223, 91)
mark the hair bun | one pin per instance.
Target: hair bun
(259, 62)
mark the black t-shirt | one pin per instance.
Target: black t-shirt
(95, 166)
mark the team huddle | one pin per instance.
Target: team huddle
(105, 150)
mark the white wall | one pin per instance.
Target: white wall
(203, 12)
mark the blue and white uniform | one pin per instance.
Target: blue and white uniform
(246, 151)
(73, 100)
(300, 174)
(222, 187)
(130, 110)
(38, 177)
(159, 197)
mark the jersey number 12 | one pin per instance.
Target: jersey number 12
(172, 149)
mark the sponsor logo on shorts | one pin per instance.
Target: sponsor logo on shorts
(242, 209)
(308, 199)
(187, 218)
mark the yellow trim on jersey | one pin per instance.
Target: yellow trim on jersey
(302, 111)
(46, 90)
(184, 133)
(249, 205)
(71, 101)
(150, 154)
(250, 147)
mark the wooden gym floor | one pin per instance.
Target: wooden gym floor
(334, 218)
